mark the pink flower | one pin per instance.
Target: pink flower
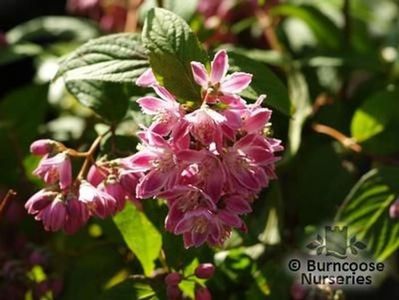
(77, 214)
(53, 215)
(256, 117)
(209, 172)
(197, 226)
(205, 125)
(40, 200)
(55, 168)
(158, 161)
(167, 111)
(98, 202)
(248, 163)
(182, 199)
(217, 85)
(116, 179)
(58, 209)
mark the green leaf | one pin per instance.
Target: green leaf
(375, 124)
(108, 99)
(114, 58)
(326, 32)
(299, 95)
(129, 290)
(264, 81)
(140, 235)
(366, 212)
(56, 27)
(172, 46)
(374, 115)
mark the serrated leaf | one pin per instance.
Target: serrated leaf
(264, 81)
(172, 46)
(140, 235)
(115, 58)
(366, 211)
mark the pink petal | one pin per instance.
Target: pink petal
(219, 66)
(238, 205)
(257, 121)
(199, 237)
(233, 119)
(151, 105)
(95, 176)
(151, 184)
(235, 82)
(260, 155)
(65, 170)
(142, 161)
(246, 178)
(230, 219)
(161, 128)
(200, 74)
(191, 156)
(146, 79)
(184, 225)
(164, 94)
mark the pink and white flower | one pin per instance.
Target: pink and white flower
(167, 112)
(57, 168)
(216, 84)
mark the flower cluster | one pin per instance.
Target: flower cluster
(111, 15)
(208, 162)
(67, 204)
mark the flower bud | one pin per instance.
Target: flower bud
(173, 278)
(205, 271)
(202, 293)
(394, 209)
(41, 147)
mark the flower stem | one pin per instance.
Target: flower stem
(6, 201)
(162, 259)
(89, 156)
(347, 142)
